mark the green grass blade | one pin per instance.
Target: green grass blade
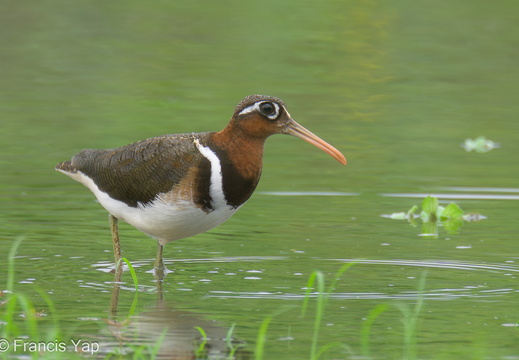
(338, 275)
(309, 287)
(329, 346)
(411, 318)
(10, 328)
(228, 341)
(321, 302)
(201, 348)
(53, 314)
(30, 316)
(228, 336)
(10, 263)
(262, 338)
(155, 348)
(317, 278)
(135, 283)
(367, 325)
(132, 273)
(262, 332)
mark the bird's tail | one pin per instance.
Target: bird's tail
(66, 166)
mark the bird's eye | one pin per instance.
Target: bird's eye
(267, 109)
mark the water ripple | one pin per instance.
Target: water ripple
(441, 294)
(444, 264)
(307, 193)
(478, 189)
(106, 266)
(435, 294)
(454, 196)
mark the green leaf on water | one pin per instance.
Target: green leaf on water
(453, 225)
(430, 205)
(429, 209)
(480, 144)
(410, 213)
(452, 212)
(398, 216)
(439, 211)
(429, 229)
(433, 215)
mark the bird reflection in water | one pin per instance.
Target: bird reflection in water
(163, 332)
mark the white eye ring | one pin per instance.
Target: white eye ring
(256, 107)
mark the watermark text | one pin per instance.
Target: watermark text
(28, 346)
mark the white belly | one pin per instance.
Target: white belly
(161, 220)
(167, 222)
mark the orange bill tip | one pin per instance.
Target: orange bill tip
(299, 131)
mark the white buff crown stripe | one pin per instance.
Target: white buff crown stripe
(255, 107)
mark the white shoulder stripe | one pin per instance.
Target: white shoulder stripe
(216, 186)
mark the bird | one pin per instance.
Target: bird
(176, 186)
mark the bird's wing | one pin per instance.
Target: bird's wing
(137, 172)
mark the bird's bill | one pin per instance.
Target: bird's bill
(299, 131)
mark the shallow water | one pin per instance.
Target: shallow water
(397, 86)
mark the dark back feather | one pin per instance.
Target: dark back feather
(137, 172)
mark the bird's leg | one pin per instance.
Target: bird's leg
(114, 303)
(160, 270)
(115, 239)
(159, 263)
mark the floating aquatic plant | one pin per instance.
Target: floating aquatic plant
(480, 144)
(451, 217)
